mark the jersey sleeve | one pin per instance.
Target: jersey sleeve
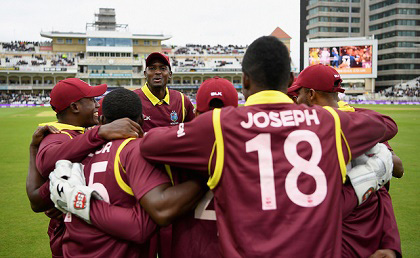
(189, 116)
(349, 200)
(141, 175)
(391, 237)
(364, 128)
(131, 224)
(60, 146)
(188, 145)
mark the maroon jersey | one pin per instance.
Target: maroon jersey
(53, 148)
(371, 226)
(175, 108)
(196, 229)
(58, 146)
(122, 178)
(276, 170)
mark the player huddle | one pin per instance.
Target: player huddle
(270, 179)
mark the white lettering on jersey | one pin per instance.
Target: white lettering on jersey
(283, 118)
(180, 131)
(104, 149)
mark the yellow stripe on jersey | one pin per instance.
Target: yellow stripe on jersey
(347, 144)
(126, 188)
(339, 147)
(211, 157)
(71, 137)
(168, 170)
(220, 148)
(183, 106)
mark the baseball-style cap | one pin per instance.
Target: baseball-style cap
(318, 77)
(71, 90)
(216, 88)
(290, 91)
(160, 56)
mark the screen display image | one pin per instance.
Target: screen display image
(345, 59)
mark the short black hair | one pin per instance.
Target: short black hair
(121, 103)
(267, 62)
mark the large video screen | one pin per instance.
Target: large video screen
(345, 59)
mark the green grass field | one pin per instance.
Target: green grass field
(23, 232)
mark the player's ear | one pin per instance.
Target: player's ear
(246, 83)
(74, 107)
(291, 79)
(170, 74)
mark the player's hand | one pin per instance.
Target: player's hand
(120, 129)
(375, 173)
(53, 213)
(384, 253)
(41, 132)
(73, 199)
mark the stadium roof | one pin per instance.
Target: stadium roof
(58, 34)
(280, 34)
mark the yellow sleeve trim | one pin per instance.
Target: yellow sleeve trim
(169, 172)
(126, 188)
(183, 107)
(339, 147)
(220, 148)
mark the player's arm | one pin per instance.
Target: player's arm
(165, 203)
(55, 148)
(348, 199)
(390, 234)
(182, 145)
(150, 185)
(365, 128)
(398, 170)
(37, 188)
(384, 253)
(131, 224)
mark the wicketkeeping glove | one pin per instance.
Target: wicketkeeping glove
(375, 173)
(69, 192)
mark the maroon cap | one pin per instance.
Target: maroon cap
(71, 90)
(160, 56)
(291, 91)
(318, 77)
(216, 88)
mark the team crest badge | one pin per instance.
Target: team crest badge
(174, 116)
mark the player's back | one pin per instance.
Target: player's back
(279, 190)
(82, 239)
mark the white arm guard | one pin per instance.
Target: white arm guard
(375, 173)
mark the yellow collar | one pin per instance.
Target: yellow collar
(267, 97)
(155, 101)
(344, 106)
(61, 126)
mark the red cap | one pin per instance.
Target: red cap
(290, 91)
(160, 56)
(216, 88)
(318, 77)
(71, 90)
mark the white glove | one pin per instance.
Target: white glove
(69, 192)
(375, 173)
